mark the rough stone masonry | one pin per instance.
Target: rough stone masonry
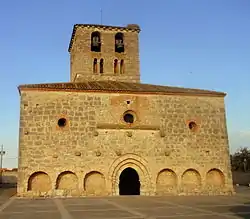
(105, 133)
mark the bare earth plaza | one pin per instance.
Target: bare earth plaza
(129, 207)
(105, 145)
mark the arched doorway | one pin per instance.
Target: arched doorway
(129, 183)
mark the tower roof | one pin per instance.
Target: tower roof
(129, 27)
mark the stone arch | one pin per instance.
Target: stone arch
(96, 41)
(67, 180)
(39, 182)
(166, 182)
(215, 178)
(94, 183)
(191, 180)
(133, 161)
(119, 42)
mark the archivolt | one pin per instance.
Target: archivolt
(125, 161)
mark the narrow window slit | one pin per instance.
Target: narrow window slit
(95, 66)
(122, 67)
(101, 66)
(116, 66)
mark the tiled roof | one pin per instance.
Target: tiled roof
(118, 87)
(130, 27)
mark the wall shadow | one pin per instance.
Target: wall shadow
(8, 189)
(241, 178)
(9, 179)
(242, 211)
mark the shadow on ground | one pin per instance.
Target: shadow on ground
(8, 190)
(242, 211)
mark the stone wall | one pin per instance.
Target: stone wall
(241, 178)
(81, 57)
(9, 177)
(88, 154)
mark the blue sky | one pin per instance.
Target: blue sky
(190, 43)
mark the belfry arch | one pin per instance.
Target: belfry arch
(130, 164)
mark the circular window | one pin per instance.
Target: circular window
(61, 122)
(128, 118)
(192, 126)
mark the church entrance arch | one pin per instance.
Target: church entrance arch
(130, 166)
(129, 183)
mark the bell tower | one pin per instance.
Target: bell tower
(99, 52)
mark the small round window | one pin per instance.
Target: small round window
(129, 118)
(192, 126)
(62, 122)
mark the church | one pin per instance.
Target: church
(105, 133)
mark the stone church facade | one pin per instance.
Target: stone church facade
(105, 133)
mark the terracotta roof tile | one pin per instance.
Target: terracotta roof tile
(118, 87)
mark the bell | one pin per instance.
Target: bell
(119, 43)
(95, 41)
